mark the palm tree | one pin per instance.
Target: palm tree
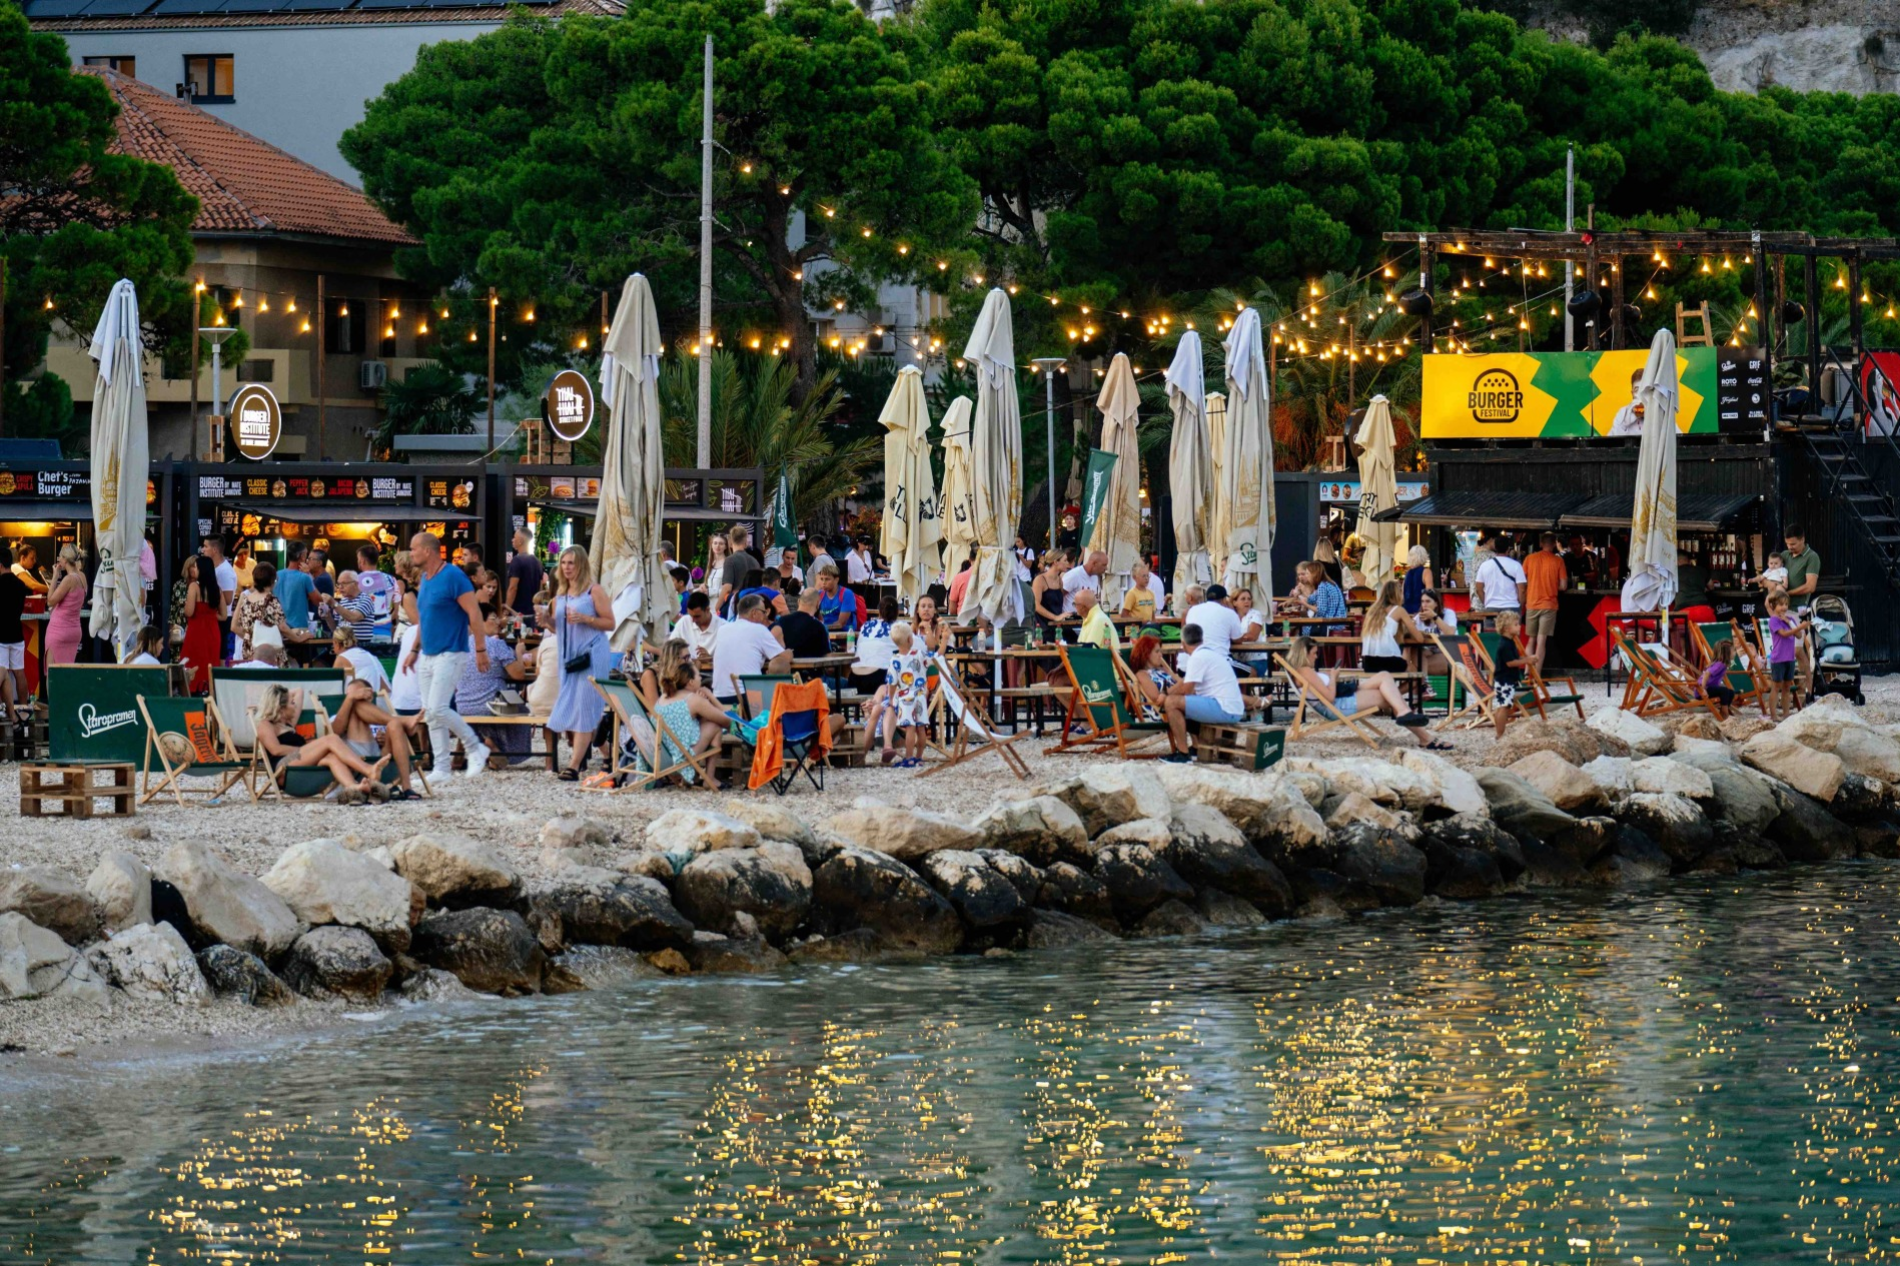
(756, 421)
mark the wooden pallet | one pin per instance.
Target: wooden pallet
(1249, 747)
(70, 791)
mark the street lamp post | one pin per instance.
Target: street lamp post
(216, 336)
(1049, 365)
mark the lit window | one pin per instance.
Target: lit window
(210, 77)
(127, 66)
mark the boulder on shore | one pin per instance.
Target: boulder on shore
(909, 835)
(225, 904)
(121, 886)
(582, 905)
(1805, 831)
(323, 883)
(1567, 787)
(1052, 929)
(1630, 730)
(1106, 795)
(35, 963)
(342, 962)
(242, 976)
(490, 951)
(1208, 851)
(771, 883)
(690, 832)
(1812, 773)
(1041, 829)
(982, 896)
(1138, 881)
(1676, 823)
(1521, 808)
(1074, 891)
(52, 899)
(455, 871)
(152, 964)
(864, 888)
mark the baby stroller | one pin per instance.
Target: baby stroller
(1831, 642)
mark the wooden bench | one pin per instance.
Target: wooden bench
(70, 791)
(531, 723)
(1245, 746)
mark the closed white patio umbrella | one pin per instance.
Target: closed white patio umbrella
(911, 534)
(121, 464)
(1652, 580)
(957, 506)
(1220, 517)
(996, 452)
(1247, 469)
(1378, 490)
(1118, 526)
(1190, 464)
(626, 546)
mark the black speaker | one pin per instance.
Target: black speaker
(1415, 302)
(1630, 315)
(1584, 304)
(1793, 313)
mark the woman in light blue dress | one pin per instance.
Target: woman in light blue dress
(580, 620)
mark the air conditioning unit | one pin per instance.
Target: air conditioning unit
(371, 375)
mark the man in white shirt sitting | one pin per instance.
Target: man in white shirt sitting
(1087, 576)
(1499, 583)
(697, 628)
(747, 647)
(1208, 693)
(859, 567)
(1220, 624)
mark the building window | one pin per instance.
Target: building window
(347, 329)
(127, 66)
(209, 78)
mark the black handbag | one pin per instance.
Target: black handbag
(581, 663)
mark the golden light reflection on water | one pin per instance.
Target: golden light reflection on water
(1630, 1083)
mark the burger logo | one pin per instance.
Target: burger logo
(1496, 397)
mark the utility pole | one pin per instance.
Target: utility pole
(493, 302)
(197, 314)
(704, 448)
(1049, 366)
(1570, 226)
(323, 331)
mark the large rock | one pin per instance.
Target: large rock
(571, 831)
(1547, 867)
(1222, 910)
(1137, 880)
(1741, 796)
(242, 976)
(1833, 724)
(712, 953)
(1344, 811)
(1458, 791)
(1075, 891)
(587, 906)
(690, 832)
(1566, 786)
(859, 945)
(1806, 831)
(342, 962)
(909, 835)
(1808, 771)
(1460, 861)
(1026, 879)
(982, 896)
(864, 888)
(490, 951)
(1520, 808)
(1675, 823)
(1380, 781)
(152, 964)
(1378, 862)
(772, 820)
(227, 905)
(1149, 831)
(121, 886)
(1861, 799)
(52, 899)
(323, 883)
(1171, 918)
(1210, 852)
(1663, 776)
(1109, 795)
(1040, 829)
(35, 963)
(1632, 731)
(1293, 831)
(771, 883)
(455, 871)
(1575, 742)
(1470, 833)
(1251, 801)
(1633, 859)
(1588, 840)
(1052, 929)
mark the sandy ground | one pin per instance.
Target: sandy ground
(508, 810)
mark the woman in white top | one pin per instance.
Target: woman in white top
(1385, 620)
(151, 644)
(1367, 696)
(364, 667)
(1253, 628)
(1433, 619)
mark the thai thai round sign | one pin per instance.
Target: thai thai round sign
(257, 423)
(568, 405)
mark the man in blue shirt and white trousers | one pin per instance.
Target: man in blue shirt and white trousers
(449, 617)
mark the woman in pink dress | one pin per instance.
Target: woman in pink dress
(63, 602)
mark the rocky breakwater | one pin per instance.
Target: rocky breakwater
(1126, 849)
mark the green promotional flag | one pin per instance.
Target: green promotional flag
(1095, 491)
(784, 535)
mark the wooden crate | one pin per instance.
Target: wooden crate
(1249, 747)
(73, 791)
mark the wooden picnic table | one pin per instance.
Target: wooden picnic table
(834, 667)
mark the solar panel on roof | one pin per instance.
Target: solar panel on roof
(390, 4)
(254, 6)
(170, 8)
(319, 6)
(55, 8)
(116, 8)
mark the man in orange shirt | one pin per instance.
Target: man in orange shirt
(1544, 576)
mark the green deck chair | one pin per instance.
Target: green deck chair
(188, 739)
(640, 739)
(1099, 707)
